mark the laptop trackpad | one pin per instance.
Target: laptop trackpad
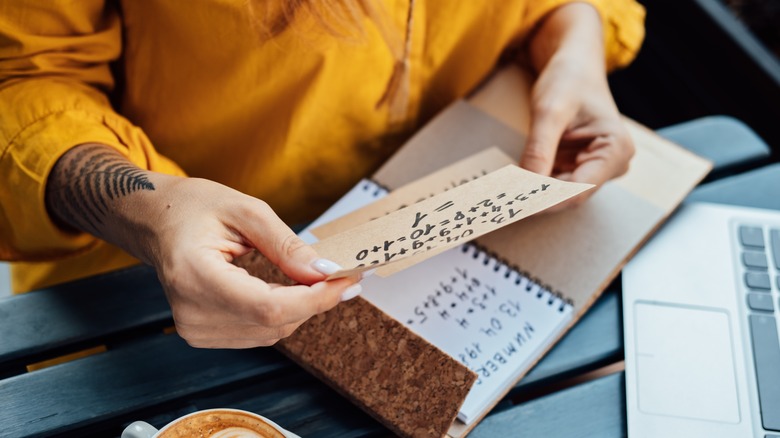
(685, 365)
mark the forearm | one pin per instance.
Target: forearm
(191, 230)
(93, 188)
(571, 33)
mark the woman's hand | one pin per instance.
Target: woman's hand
(202, 227)
(191, 230)
(576, 131)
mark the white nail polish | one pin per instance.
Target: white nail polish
(325, 266)
(351, 292)
(366, 274)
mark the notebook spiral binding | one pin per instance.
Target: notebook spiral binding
(378, 189)
(498, 262)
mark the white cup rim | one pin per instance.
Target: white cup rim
(280, 429)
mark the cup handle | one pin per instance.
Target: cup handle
(139, 429)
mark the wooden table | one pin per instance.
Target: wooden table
(143, 372)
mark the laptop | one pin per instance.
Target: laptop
(701, 311)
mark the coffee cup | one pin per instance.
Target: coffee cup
(212, 423)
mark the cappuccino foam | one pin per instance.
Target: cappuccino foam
(220, 424)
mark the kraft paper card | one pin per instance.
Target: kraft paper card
(440, 181)
(445, 220)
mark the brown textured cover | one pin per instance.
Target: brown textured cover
(396, 376)
(391, 373)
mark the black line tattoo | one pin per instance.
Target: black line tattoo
(85, 184)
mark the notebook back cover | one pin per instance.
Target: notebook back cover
(575, 252)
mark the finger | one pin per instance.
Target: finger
(226, 294)
(292, 304)
(596, 165)
(608, 140)
(599, 162)
(607, 157)
(276, 241)
(547, 126)
(573, 202)
(211, 334)
(233, 344)
(596, 169)
(209, 288)
(259, 303)
(566, 157)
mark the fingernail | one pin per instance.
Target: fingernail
(325, 266)
(351, 292)
(368, 273)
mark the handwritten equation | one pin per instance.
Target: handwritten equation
(424, 234)
(448, 219)
(449, 185)
(462, 296)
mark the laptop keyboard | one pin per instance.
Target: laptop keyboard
(760, 256)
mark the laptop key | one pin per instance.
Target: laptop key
(751, 236)
(775, 241)
(754, 260)
(760, 302)
(757, 280)
(766, 354)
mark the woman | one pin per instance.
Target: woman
(276, 108)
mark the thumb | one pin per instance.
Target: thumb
(547, 126)
(276, 241)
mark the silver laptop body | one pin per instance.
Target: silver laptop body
(700, 316)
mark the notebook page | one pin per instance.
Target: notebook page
(492, 319)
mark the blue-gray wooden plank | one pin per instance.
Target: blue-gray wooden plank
(596, 340)
(592, 409)
(759, 188)
(110, 388)
(728, 142)
(79, 314)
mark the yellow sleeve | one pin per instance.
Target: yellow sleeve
(623, 22)
(54, 73)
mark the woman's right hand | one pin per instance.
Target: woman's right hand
(191, 230)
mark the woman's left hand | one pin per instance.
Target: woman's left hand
(576, 131)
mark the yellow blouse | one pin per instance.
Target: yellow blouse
(193, 88)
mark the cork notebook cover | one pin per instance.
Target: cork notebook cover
(407, 383)
(397, 377)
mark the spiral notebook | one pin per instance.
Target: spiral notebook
(485, 314)
(392, 365)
